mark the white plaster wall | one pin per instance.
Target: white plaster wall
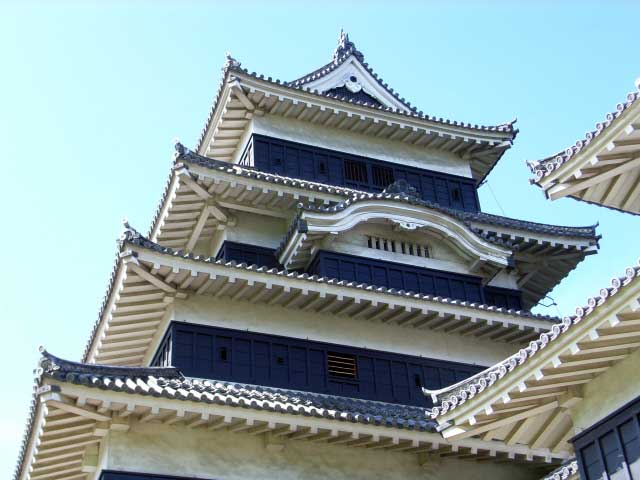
(606, 393)
(358, 144)
(442, 257)
(160, 449)
(339, 330)
(256, 229)
(505, 279)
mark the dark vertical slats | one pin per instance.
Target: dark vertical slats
(249, 254)
(610, 449)
(410, 278)
(345, 170)
(269, 360)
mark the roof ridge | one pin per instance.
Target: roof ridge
(233, 65)
(52, 365)
(543, 167)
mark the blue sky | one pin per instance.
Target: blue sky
(92, 96)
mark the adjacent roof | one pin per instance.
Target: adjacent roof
(603, 167)
(242, 95)
(524, 398)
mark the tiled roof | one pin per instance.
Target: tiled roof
(544, 167)
(232, 65)
(563, 472)
(168, 382)
(459, 393)
(132, 236)
(183, 154)
(345, 49)
(406, 195)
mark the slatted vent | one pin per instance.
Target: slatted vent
(355, 171)
(342, 365)
(382, 176)
(406, 248)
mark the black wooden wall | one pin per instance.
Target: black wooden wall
(409, 278)
(611, 448)
(321, 165)
(270, 360)
(383, 274)
(112, 475)
(249, 254)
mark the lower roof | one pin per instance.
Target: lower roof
(76, 404)
(525, 398)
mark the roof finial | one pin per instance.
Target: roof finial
(230, 61)
(346, 47)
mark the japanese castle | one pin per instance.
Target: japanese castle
(320, 295)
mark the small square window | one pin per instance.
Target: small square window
(342, 365)
(223, 354)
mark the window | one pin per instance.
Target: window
(382, 176)
(247, 158)
(342, 365)
(611, 448)
(355, 171)
(406, 248)
(223, 354)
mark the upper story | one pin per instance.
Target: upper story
(342, 125)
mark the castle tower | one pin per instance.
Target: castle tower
(316, 261)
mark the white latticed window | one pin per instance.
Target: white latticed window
(396, 246)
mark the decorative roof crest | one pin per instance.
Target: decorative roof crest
(401, 187)
(346, 47)
(230, 61)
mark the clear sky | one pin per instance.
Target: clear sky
(92, 97)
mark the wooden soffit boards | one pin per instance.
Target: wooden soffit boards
(244, 96)
(527, 398)
(604, 167)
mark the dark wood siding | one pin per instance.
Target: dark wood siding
(250, 254)
(342, 169)
(270, 360)
(503, 297)
(611, 448)
(407, 277)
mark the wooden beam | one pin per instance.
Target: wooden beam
(457, 433)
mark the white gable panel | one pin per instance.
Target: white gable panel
(363, 80)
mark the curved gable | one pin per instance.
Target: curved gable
(312, 228)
